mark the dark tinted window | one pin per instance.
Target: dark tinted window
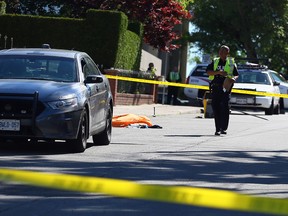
(278, 77)
(200, 71)
(89, 67)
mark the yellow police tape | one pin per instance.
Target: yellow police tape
(156, 82)
(203, 197)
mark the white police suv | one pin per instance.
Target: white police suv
(253, 77)
(197, 76)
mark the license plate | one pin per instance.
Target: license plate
(9, 125)
(241, 101)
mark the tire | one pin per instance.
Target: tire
(276, 110)
(104, 138)
(201, 94)
(270, 110)
(282, 109)
(80, 143)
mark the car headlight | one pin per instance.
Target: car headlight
(63, 103)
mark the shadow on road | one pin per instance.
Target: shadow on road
(230, 167)
(39, 148)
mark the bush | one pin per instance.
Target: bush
(104, 35)
(134, 87)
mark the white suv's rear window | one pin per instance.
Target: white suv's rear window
(199, 71)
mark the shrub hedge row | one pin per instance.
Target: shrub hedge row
(106, 36)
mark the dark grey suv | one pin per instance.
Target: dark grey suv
(50, 94)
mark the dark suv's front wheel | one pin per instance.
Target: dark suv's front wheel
(80, 143)
(104, 138)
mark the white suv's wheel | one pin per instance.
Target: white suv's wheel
(270, 110)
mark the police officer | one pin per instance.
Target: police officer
(173, 76)
(151, 69)
(219, 69)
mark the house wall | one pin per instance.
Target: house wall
(146, 58)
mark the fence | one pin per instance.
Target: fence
(4, 41)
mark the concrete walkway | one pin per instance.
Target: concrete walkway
(155, 109)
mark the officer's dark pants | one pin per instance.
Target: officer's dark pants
(220, 106)
(172, 92)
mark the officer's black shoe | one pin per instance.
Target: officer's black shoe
(223, 132)
(217, 133)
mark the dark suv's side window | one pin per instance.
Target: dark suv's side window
(89, 67)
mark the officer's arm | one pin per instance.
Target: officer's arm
(210, 70)
(213, 73)
(235, 73)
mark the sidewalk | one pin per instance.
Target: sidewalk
(155, 109)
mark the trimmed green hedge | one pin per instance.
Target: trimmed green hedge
(2, 7)
(104, 35)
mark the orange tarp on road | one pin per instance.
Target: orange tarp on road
(127, 119)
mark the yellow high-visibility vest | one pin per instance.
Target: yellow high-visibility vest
(229, 67)
(174, 76)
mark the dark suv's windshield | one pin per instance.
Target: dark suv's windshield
(37, 67)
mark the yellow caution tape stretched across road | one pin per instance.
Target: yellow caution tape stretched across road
(156, 82)
(203, 197)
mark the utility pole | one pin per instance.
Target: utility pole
(184, 51)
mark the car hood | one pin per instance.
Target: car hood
(48, 90)
(257, 87)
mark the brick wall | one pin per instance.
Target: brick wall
(133, 99)
(130, 99)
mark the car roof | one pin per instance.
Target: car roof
(41, 51)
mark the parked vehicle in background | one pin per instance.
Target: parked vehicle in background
(258, 78)
(197, 76)
(49, 94)
(283, 85)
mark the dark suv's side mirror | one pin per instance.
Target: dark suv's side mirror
(93, 79)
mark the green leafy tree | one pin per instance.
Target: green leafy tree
(185, 3)
(39, 7)
(158, 16)
(256, 29)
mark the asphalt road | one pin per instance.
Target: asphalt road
(251, 159)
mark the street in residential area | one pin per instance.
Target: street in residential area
(250, 159)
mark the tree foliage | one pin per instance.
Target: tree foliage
(256, 29)
(39, 7)
(159, 19)
(158, 16)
